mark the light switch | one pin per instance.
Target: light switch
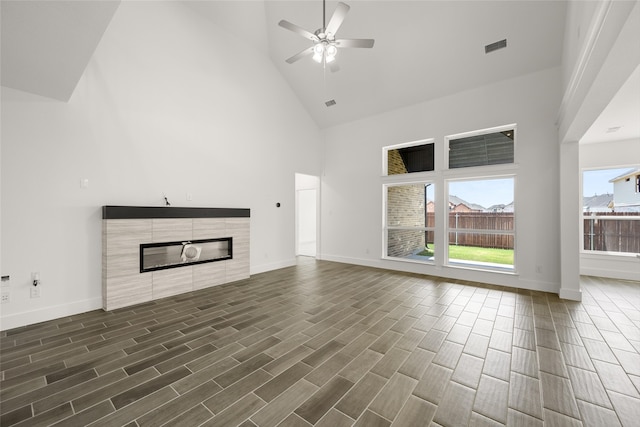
(84, 183)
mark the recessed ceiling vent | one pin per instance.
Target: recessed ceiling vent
(330, 103)
(495, 46)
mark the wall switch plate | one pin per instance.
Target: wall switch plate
(35, 292)
(5, 298)
(84, 182)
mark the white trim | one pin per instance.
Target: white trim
(486, 131)
(263, 268)
(385, 154)
(487, 276)
(49, 313)
(584, 58)
(570, 294)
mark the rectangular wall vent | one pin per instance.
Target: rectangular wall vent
(330, 103)
(495, 46)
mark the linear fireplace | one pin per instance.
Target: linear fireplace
(161, 256)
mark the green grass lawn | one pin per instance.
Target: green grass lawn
(474, 253)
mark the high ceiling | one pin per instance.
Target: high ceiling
(423, 50)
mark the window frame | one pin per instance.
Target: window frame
(385, 219)
(385, 156)
(448, 230)
(486, 131)
(595, 254)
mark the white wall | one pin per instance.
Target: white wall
(352, 189)
(610, 155)
(170, 103)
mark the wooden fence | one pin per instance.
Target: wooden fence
(490, 221)
(612, 235)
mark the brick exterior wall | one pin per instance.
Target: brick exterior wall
(405, 207)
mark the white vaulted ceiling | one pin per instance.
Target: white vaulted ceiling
(46, 45)
(423, 49)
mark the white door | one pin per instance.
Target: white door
(307, 222)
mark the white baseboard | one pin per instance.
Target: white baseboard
(570, 294)
(263, 268)
(49, 313)
(450, 273)
(612, 274)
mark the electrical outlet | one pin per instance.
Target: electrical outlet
(6, 297)
(35, 292)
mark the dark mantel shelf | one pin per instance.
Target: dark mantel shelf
(146, 212)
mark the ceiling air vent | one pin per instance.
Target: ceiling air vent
(330, 103)
(495, 46)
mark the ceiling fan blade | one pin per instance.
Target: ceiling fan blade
(337, 18)
(367, 43)
(300, 55)
(298, 30)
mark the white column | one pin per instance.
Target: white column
(569, 222)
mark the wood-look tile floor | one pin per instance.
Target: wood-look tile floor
(330, 344)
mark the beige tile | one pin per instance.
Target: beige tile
(588, 387)
(627, 408)
(433, 383)
(455, 407)
(478, 420)
(630, 360)
(371, 419)
(551, 361)
(278, 409)
(415, 412)
(497, 364)
(524, 362)
(554, 419)
(360, 365)
(615, 379)
(519, 419)
(492, 398)
(558, 395)
(390, 362)
(501, 341)
(172, 229)
(358, 398)
(476, 345)
(322, 400)
(448, 354)
(416, 363)
(597, 416)
(524, 395)
(393, 396)
(598, 349)
(576, 356)
(468, 371)
(335, 418)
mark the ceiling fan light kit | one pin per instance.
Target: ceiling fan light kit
(325, 45)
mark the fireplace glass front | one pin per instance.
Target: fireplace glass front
(160, 256)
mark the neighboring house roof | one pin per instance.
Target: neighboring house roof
(598, 203)
(500, 208)
(626, 174)
(455, 201)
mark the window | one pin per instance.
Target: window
(611, 210)
(481, 223)
(409, 158)
(410, 221)
(482, 149)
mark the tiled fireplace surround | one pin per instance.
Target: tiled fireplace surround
(124, 228)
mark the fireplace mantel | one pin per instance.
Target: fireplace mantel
(150, 212)
(126, 228)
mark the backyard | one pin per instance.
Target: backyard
(475, 253)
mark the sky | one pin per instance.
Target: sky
(485, 193)
(595, 182)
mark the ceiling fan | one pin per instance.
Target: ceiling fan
(325, 45)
